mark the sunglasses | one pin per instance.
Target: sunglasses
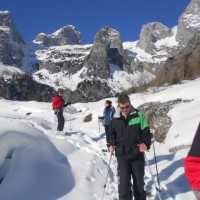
(125, 107)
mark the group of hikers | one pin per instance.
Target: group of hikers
(128, 136)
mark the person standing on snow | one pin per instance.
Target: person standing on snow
(107, 117)
(192, 164)
(58, 104)
(129, 138)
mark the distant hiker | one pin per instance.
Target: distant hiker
(108, 114)
(58, 104)
(192, 164)
(129, 138)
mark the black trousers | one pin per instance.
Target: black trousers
(128, 169)
(106, 131)
(61, 121)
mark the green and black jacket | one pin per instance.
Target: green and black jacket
(127, 133)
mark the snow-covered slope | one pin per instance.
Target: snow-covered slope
(35, 163)
(7, 71)
(66, 56)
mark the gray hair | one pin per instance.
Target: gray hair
(123, 98)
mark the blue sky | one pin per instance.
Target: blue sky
(89, 16)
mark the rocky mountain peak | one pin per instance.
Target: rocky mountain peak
(68, 35)
(107, 49)
(189, 23)
(151, 33)
(5, 19)
(11, 52)
(97, 61)
(193, 7)
(6, 23)
(113, 36)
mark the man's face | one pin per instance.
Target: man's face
(61, 93)
(125, 108)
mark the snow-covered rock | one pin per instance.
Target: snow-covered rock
(189, 23)
(68, 35)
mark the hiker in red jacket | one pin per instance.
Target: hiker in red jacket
(58, 104)
(192, 165)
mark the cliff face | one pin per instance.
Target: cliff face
(150, 34)
(189, 23)
(11, 41)
(67, 35)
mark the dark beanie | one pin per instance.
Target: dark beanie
(60, 90)
(108, 102)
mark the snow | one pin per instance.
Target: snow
(121, 80)
(36, 163)
(161, 46)
(7, 71)
(192, 20)
(4, 12)
(58, 31)
(62, 78)
(59, 79)
(132, 49)
(46, 54)
(29, 60)
(5, 29)
(168, 41)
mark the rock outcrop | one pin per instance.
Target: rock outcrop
(107, 49)
(23, 87)
(11, 41)
(67, 35)
(157, 115)
(189, 23)
(150, 34)
(70, 60)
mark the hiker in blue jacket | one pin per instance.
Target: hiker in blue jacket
(108, 114)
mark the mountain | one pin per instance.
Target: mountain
(105, 68)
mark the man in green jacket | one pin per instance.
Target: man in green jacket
(129, 138)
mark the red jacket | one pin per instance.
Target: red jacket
(58, 102)
(192, 162)
(192, 170)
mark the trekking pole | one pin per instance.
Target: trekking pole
(155, 160)
(107, 176)
(70, 127)
(152, 177)
(158, 180)
(70, 77)
(99, 128)
(99, 132)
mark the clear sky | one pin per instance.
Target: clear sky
(127, 16)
